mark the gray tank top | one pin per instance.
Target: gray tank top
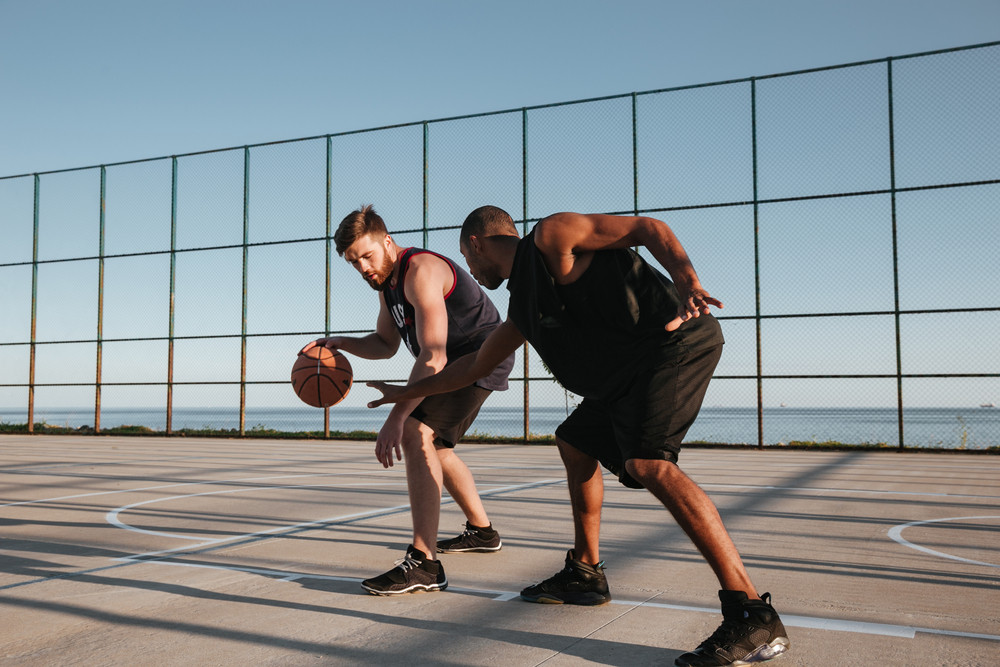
(471, 317)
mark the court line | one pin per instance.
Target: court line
(179, 484)
(213, 545)
(160, 557)
(790, 620)
(112, 516)
(705, 485)
(815, 489)
(896, 533)
(294, 529)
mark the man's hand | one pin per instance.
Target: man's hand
(390, 393)
(389, 438)
(694, 304)
(331, 343)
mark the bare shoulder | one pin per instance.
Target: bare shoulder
(560, 232)
(581, 233)
(428, 274)
(561, 239)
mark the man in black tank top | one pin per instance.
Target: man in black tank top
(579, 293)
(441, 314)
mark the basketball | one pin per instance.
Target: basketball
(322, 377)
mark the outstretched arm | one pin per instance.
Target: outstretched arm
(382, 344)
(499, 345)
(567, 240)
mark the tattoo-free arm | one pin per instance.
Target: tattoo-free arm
(500, 344)
(566, 238)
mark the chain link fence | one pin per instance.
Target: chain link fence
(847, 216)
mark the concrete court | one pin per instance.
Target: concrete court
(180, 551)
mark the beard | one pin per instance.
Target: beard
(380, 282)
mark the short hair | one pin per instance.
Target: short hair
(487, 221)
(356, 224)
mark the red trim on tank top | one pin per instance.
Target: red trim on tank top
(421, 251)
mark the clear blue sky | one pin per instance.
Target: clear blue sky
(104, 81)
(100, 82)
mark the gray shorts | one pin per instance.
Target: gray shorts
(450, 415)
(650, 420)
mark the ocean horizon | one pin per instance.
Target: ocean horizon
(958, 428)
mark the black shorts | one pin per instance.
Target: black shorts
(650, 420)
(450, 415)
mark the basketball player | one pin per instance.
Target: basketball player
(577, 287)
(441, 314)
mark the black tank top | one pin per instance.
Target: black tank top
(598, 332)
(471, 317)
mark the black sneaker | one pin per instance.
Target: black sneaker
(473, 540)
(577, 583)
(414, 573)
(750, 632)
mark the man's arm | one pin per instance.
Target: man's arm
(567, 241)
(427, 281)
(382, 344)
(500, 344)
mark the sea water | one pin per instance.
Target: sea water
(971, 428)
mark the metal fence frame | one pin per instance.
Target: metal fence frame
(525, 112)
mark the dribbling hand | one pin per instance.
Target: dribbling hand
(330, 343)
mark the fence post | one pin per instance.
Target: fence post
(34, 311)
(756, 264)
(895, 258)
(635, 157)
(173, 287)
(524, 219)
(424, 224)
(246, 254)
(329, 260)
(100, 307)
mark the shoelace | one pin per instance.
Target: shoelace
(407, 562)
(565, 573)
(725, 634)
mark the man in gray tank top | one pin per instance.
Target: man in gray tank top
(441, 314)
(577, 291)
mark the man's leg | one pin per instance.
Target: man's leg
(419, 570)
(582, 580)
(586, 495)
(423, 480)
(586, 435)
(751, 630)
(697, 515)
(462, 486)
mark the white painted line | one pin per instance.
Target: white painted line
(879, 492)
(896, 533)
(792, 621)
(112, 516)
(179, 484)
(298, 527)
(208, 545)
(365, 473)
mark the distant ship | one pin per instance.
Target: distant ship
(987, 405)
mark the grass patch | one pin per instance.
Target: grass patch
(475, 437)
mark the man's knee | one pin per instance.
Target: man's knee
(571, 454)
(649, 472)
(417, 436)
(578, 463)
